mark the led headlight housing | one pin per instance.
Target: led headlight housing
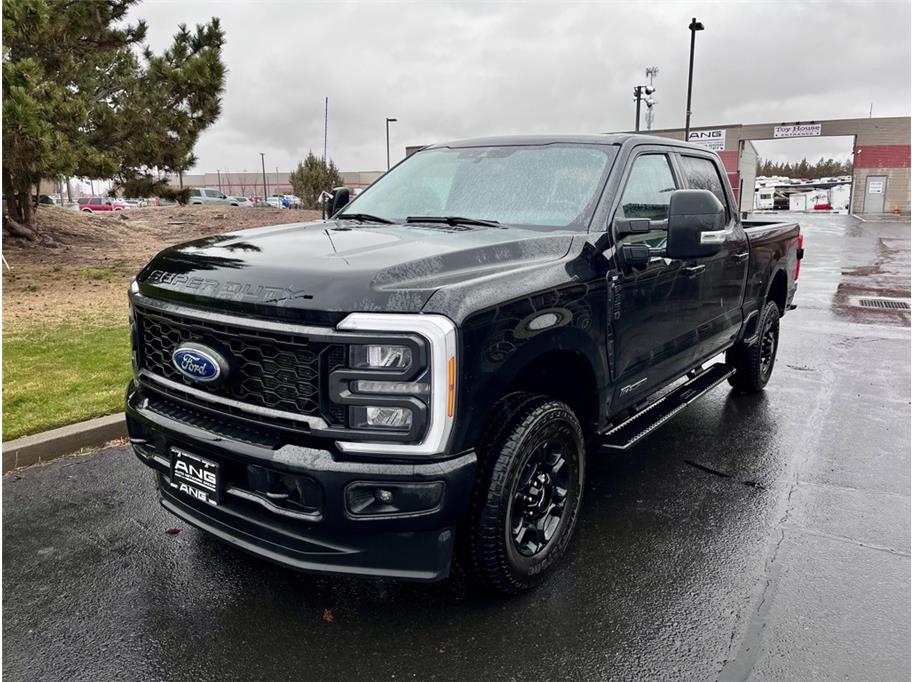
(379, 356)
(399, 385)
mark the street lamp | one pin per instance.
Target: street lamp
(638, 92)
(265, 188)
(694, 27)
(388, 121)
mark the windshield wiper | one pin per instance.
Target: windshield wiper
(451, 220)
(364, 218)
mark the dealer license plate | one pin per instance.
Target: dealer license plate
(195, 476)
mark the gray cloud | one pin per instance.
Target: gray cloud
(448, 71)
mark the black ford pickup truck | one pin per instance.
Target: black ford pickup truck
(424, 373)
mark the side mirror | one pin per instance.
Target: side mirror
(696, 224)
(340, 198)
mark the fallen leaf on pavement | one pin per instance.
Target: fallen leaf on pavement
(328, 615)
(173, 531)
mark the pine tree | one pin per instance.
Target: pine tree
(313, 176)
(824, 168)
(82, 96)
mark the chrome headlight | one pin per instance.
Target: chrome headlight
(429, 391)
(379, 356)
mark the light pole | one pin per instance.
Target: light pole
(265, 188)
(694, 27)
(219, 173)
(651, 73)
(388, 121)
(638, 92)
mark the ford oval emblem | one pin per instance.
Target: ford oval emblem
(199, 363)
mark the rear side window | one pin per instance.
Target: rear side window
(648, 190)
(702, 173)
(194, 193)
(95, 201)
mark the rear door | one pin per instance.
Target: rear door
(656, 308)
(720, 279)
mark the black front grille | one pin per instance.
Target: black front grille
(269, 369)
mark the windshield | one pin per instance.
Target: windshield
(554, 185)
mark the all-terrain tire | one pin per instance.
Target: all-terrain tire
(527, 428)
(754, 363)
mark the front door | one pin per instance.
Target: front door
(875, 191)
(657, 308)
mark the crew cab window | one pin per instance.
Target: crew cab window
(648, 190)
(647, 195)
(702, 173)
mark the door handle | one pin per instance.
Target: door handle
(740, 257)
(694, 270)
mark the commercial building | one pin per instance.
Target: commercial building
(880, 156)
(251, 184)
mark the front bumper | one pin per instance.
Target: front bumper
(327, 535)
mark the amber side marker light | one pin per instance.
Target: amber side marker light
(451, 388)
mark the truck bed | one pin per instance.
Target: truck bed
(761, 231)
(773, 248)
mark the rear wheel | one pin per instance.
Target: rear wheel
(527, 498)
(754, 364)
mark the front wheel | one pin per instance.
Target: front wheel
(754, 364)
(527, 498)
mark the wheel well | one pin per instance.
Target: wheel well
(778, 291)
(564, 376)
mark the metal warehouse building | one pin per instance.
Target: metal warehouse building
(881, 156)
(251, 184)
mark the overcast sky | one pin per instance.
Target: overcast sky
(450, 71)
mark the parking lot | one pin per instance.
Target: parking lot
(761, 536)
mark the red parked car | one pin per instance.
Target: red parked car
(99, 204)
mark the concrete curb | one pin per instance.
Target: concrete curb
(43, 447)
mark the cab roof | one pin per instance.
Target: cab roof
(628, 139)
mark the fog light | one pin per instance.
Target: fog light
(389, 498)
(398, 418)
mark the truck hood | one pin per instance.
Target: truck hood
(312, 270)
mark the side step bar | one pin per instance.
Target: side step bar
(651, 417)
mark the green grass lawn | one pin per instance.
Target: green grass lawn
(53, 376)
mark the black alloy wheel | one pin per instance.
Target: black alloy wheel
(527, 496)
(754, 363)
(540, 500)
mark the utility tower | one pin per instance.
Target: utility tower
(651, 73)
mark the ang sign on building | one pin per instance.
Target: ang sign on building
(809, 130)
(711, 139)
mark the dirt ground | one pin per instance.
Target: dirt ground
(87, 274)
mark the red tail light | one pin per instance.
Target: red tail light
(799, 255)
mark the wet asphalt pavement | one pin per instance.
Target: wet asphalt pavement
(750, 537)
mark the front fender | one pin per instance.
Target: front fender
(499, 344)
